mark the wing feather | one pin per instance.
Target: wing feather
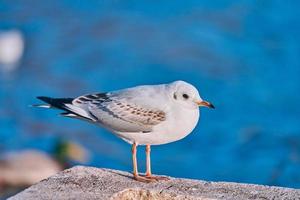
(120, 113)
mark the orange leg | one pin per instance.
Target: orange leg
(148, 166)
(135, 167)
(148, 161)
(134, 161)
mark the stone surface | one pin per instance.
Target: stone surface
(93, 183)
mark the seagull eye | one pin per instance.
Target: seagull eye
(174, 96)
(185, 96)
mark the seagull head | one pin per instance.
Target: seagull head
(187, 95)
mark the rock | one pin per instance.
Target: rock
(35, 166)
(93, 183)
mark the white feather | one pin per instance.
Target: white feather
(78, 111)
(42, 106)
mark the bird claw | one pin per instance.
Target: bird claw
(157, 178)
(150, 178)
(143, 179)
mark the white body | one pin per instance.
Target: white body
(179, 123)
(181, 116)
(171, 131)
(145, 115)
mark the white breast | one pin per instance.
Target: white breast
(179, 123)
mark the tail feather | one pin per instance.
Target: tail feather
(64, 104)
(59, 103)
(41, 105)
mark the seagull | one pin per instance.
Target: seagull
(142, 115)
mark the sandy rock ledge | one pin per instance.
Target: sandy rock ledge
(94, 183)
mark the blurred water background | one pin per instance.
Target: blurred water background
(242, 55)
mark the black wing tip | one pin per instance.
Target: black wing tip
(43, 98)
(60, 103)
(56, 102)
(49, 99)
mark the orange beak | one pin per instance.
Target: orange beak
(205, 104)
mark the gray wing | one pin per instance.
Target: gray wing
(120, 112)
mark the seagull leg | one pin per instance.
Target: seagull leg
(135, 167)
(148, 174)
(148, 161)
(134, 161)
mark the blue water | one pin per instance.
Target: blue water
(242, 55)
